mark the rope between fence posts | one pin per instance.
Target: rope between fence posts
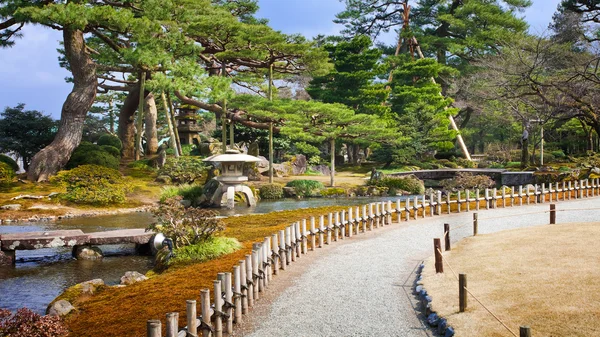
(448, 264)
(577, 209)
(513, 215)
(461, 226)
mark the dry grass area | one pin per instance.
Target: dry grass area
(546, 277)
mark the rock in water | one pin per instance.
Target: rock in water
(87, 253)
(60, 308)
(132, 277)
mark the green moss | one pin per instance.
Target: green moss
(205, 251)
(110, 140)
(333, 191)
(93, 184)
(6, 174)
(112, 150)
(408, 184)
(11, 162)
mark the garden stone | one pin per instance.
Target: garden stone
(263, 163)
(449, 332)
(186, 203)
(299, 165)
(595, 170)
(87, 253)
(323, 169)
(60, 308)
(90, 287)
(12, 207)
(132, 277)
(289, 192)
(433, 319)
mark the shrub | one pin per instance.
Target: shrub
(184, 169)
(90, 154)
(513, 164)
(7, 174)
(143, 164)
(11, 162)
(559, 154)
(187, 149)
(271, 191)
(333, 191)
(186, 191)
(305, 188)
(466, 180)
(26, 323)
(93, 184)
(209, 249)
(185, 226)
(408, 184)
(110, 140)
(462, 162)
(112, 150)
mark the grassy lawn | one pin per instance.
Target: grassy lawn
(545, 277)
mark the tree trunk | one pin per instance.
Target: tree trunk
(172, 138)
(525, 154)
(150, 120)
(56, 155)
(127, 123)
(332, 180)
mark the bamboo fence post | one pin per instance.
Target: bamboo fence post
(564, 191)
(543, 193)
(255, 275)
(437, 249)
(228, 303)
(288, 246)
(487, 200)
(282, 250)
(349, 222)
(438, 205)
(371, 217)
(495, 198)
(218, 318)
(377, 215)
(244, 286)
(550, 192)
(292, 244)
(321, 232)
(237, 296)
(475, 224)
(357, 220)
(172, 324)
(336, 232)
(552, 214)
(416, 208)
(389, 210)
(249, 281)
(407, 209)
(520, 195)
(468, 200)
(503, 197)
(527, 194)
(365, 218)
(431, 204)
(153, 328)
(298, 240)
(570, 189)
(266, 251)
(447, 203)
(593, 186)
(382, 215)
(477, 200)
(587, 190)
(304, 238)
(205, 310)
(257, 268)
(192, 325)
(313, 235)
(329, 227)
(536, 194)
(557, 189)
(342, 225)
(462, 292)
(458, 202)
(512, 196)
(524, 331)
(398, 211)
(275, 254)
(447, 236)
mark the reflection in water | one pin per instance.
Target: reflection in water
(41, 275)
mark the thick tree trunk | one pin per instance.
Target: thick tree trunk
(332, 177)
(150, 120)
(525, 154)
(127, 123)
(56, 155)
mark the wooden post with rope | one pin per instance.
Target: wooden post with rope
(552, 214)
(172, 324)
(524, 331)
(447, 236)
(437, 248)
(475, 224)
(462, 292)
(153, 328)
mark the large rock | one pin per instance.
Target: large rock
(60, 308)
(12, 207)
(299, 165)
(90, 287)
(323, 169)
(87, 253)
(132, 277)
(263, 163)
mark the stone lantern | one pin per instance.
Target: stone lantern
(187, 126)
(231, 179)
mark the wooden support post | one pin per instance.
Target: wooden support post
(205, 310)
(503, 197)
(536, 194)
(431, 205)
(153, 328)
(543, 194)
(416, 208)
(298, 237)
(487, 198)
(407, 209)
(462, 292)
(512, 196)
(475, 224)
(336, 226)
(494, 198)
(371, 217)
(275, 253)
(448, 203)
(520, 195)
(342, 225)
(437, 249)
(255, 275)
(477, 199)
(288, 245)
(304, 238)
(524, 331)
(552, 214)
(377, 215)
(357, 220)
(172, 324)
(192, 325)
(266, 253)
(229, 302)
(257, 268)
(313, 234)
(438, 206)
(250, 282)
(349, 222)
(569, 191)
(329, 228)
(321, 232)
(458, 202)
(468, 197)
(447, 236)
(550, 192)
(237, 289)
(244, 286)
(564, 191)
(423, 205)
(292, 244)
(282, 250)
(365, 218)
(218, 328)
(528, 195)
(332, 228)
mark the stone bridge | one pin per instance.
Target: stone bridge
(500, 176)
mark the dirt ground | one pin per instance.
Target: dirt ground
(545, 277)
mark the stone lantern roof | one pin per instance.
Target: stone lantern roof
(232, 156)
(232, 166)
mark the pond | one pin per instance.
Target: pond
(41, 275)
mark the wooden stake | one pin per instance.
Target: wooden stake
(172, 324)
(255, 274)
(153, 328)
(229, 299)
(350, 222)
(437, 248)
(462, 292)
(524, 331)
(237, 288)
(218, 308)
(244, 287)
(447, 236)
(313, 235)
(304, 238)
(282, 250)
(205, 309)
(552, 214)
(475, 224)
(249, 283)
(192, 325)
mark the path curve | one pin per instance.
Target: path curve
(362, 286)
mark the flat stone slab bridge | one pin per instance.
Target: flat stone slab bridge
(9, 243)
(501, 176)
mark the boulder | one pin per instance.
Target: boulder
(7, 259)
(90, 287)
(323, 169)
(280, 170)
(60, 308)
(289, 192)
(263, 163)
(87, 253)
(132, 277)
(299, 165)
(12, 207)
(253, 149)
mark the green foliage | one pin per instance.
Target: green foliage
(143, 164)
(513, 164)
(185, 226)
(6, 173)
(466, 180)
(271, 191)
(91, 154)
(112, 150)
(333, 191)
(464, 163)
(307, 149)
(25, 132)
(187, 149)
(395, 184)
(93, 184)
(209, 249)
(11, 162)
(184, 169)
(559, 154)
(186, 191)
(305, 188)
(111, 140)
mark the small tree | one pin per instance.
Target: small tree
(25, 132)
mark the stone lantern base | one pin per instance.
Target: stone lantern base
(219, 194)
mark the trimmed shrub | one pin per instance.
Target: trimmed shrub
(93, 184)
(112, 150)
(333, 191)
(271, 191)
(108, 139)
(305, 188)
(11, 162)
(184, 170)
(90, 154)
(7, 174)
(466, 180)
(186, 191)
(407, 184)
(26, 323)
(559, 154)
(209, 249)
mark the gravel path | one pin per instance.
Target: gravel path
(363, 285)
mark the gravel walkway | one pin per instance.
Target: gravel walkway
(363, 285)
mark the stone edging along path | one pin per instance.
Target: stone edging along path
(350, 290)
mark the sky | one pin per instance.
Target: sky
(30, 74)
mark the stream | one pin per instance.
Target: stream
(41, 275)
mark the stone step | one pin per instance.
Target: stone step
(137, 235)
(47, 239)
